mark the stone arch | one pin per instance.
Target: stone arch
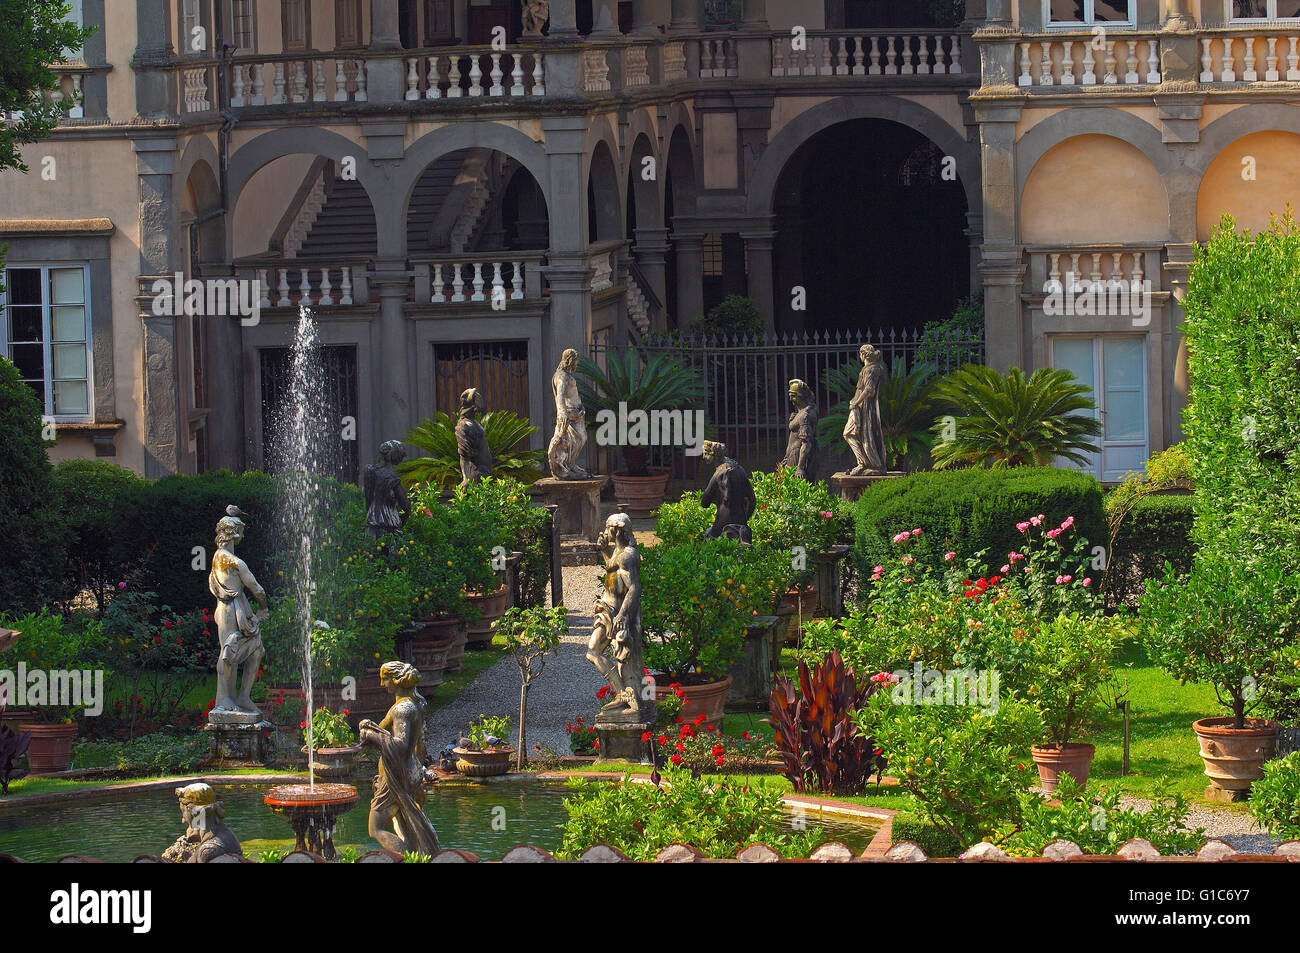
(762, 185)
(1253, 202)
(606, 194)
(286, 141)
(1115, 191)
(1101, 121)
(1241, 122)
(644, 196)
(679, 157)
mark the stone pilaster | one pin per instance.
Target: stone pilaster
(651, 254)
(689, 247)
(393, 393)
(759, 245)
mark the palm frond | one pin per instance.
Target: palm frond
(507, 436)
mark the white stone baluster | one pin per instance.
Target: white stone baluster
(1054, 275)
(859, 56)
(1248, 74)
(517, 281)
(826, 69)
(412, 79)
(1067, 64)
(475, 76)
(1227, 74)
(1075, 286)
(1137, 268)
(495, 73)
(1153, 61)
(1111, 78)
(1271, 74)
(263, 289)
(433, 85)
(842, 56)
(326, 298)
(890, 68)
(539, 86)
(954, 57)
(259, 85)
(1089, 66)
(318, 83)
(361, 95)
(304, 287)
(1293, 62)
(478, 282)
(498, 283)
(1131, 77)
(457, 284)
(237, 95)
(778, 56)
(1207, 61)
(277, 97)
(1116, 273)
(517, 75)
(905, 55)
(923, 55)
(283, 300)
(438, 296)
(345, 296)
(1045, 77)
(340, 82)
(1025, 78)
(299, 82)
(453, 77)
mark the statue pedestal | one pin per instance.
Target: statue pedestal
(751, 675)
(850, 487)
(238, 739)
(621, 741)
(578, 515)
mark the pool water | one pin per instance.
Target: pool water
(487, 819)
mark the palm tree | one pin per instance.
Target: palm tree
(906, 411)
(1013, 420)
(507, 435)
(653, 382)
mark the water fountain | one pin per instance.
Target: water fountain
(301, 431)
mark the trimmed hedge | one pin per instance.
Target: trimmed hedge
(935, 841)
(968, 511)
(87, 491)
(1158, 530)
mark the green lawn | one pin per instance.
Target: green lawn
(26, 786)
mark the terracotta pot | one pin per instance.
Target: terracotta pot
(372, 701)
(1234, 757)
(51, 747)
(709, 698)
(493, 607)
(483, 764)
(336, 762)
(785, 622)
(640, 495)
(430, 649)
(1072, 759)
(802, 603)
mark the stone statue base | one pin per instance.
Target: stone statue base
(233, 716)
(751, 675)
(850, 487)
(236, 744)
(621, 741)
(578, 515)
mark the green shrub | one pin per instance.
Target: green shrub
(33, 533)
(147, 756)
(971, 511)
(1275, 798)
(1157, 530)
(733, 315)
(930, 837)
(51, 642)
(88, 494)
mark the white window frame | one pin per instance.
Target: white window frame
(1089, 18)
(47, 335)
(252, 26)
(1097, 339)
(1269, 17)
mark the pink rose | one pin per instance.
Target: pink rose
(917, 531)
(1087, 580)
(1022, 526)
(1005, 568)
(949, 557)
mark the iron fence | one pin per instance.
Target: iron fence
(746, 384)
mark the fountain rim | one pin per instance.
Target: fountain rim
(333, 794)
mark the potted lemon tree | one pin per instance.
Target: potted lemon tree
(336, 746)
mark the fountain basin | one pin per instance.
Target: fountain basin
(313, 812)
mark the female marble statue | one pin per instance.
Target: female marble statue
(206, 835)
(617, 622)
(863, 431)
(801, 453)
(399, 787)
(471, 440)
(570, 422)
(238, 628)
(387, 506)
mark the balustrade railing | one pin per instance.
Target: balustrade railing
(1086, 59)
(493, 278)
(595, 71)
(1260, 56)
(867, 53)
(718, 56)
(290, 282)
(297, 78)
(461, 72)
(1074, 268)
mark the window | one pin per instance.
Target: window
(1114, 366)
(348, 30)
(47, 335)
(295, 24)
(1262, 9)
(191, 19)
(241, 26)
(1087, 12)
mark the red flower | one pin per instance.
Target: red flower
(167, 625)
(303, 725)
(699, 719)
(596, 743)
(182, 642)
(745, 735)
(605, 690)
(157, 640)
(206, 632)
(718, 751)
(645, 736)
(676, 759)
(719, 761)
(346, 712)
(679, 746)
(662, 739)
(679, 693)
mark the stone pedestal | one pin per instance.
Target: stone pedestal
(621, 741)
(751, 674)
(577, 514)
(238, 739)
(850, 487)
(830, 591)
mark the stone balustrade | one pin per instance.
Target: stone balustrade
(867, 53)
(280, 80)
(290, 283)
(718, 56)
(1264, 56)
(1084, 59)
(492, 278)
(461, 72)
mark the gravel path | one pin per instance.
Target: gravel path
(1237, 828)
(565, 690)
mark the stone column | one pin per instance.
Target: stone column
(385, 75)
(754, 43)
(754, 16)
(651, 253)
(690, 275)
(604, 20)
(385, 31)
(394, 397)
(152, 62)
(760, 245)
(686, 16)
(645, 17)
(1002, 267)
(564, 21)
(1174, 352)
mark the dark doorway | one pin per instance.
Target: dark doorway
(340, 374)
(871, 223)
(893, 14)
(498, 369)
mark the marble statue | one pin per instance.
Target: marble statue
(206, 836)
(534, 15)
(863, 430)
(387, 506)
(570, 422)
(731, 492)
(617, 625)
(238, 628)
(471, 440)
(399, 787)
(801, 453)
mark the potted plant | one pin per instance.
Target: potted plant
(46, 645)
(531, 635)
(480, 515)
(1069, 661)
(336, 747)
(800, 519)
(487, 753)
(630, 383)
(699, 597)
(1228, 623)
